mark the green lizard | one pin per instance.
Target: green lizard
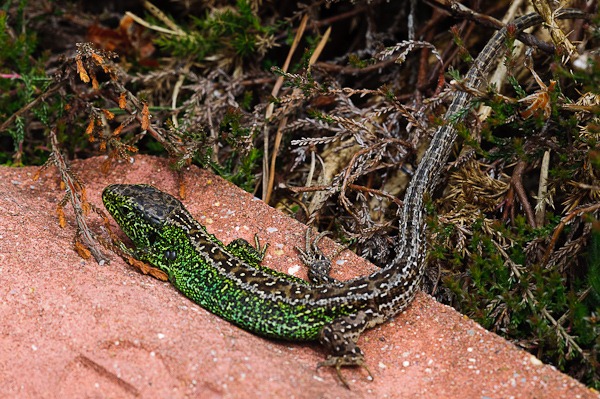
(229, 281)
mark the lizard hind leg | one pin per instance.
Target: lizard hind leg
(340, 337)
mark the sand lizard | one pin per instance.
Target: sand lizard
(229, 281)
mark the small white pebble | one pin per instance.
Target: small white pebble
(160, 335)
(272, 230)
(406, 363)
(469, 349)
(535, 361)
(382, 365)
(33, 347)
(293, 270)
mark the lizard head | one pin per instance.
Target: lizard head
(140, 210)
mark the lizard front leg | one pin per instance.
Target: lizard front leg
(241, 248)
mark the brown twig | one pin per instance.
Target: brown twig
(349, 70)
(76, 195)
(310, 189)
(364, 189)
(460, 11)
(51, 90)
(562, 225)
(356, 187)
(348, 176)
(517, 183)
(422, 79)
(268, 180)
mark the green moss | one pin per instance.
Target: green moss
(226, 32)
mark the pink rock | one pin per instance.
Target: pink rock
(72, 329)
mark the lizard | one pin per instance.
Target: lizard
(229, 281)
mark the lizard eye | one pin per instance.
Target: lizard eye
(170, 255)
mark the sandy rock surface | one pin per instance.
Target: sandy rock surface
(73, 329)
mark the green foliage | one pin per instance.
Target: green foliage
(593, 277)
(240, 164)
(507, 298)
(239, 169)
(521, 93)
(228, 32)
(355, 61)
(462, 50)
(305, 82)
(454, 74)
(20, 82)
(502, 275)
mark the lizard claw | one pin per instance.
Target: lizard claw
(346, 360)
